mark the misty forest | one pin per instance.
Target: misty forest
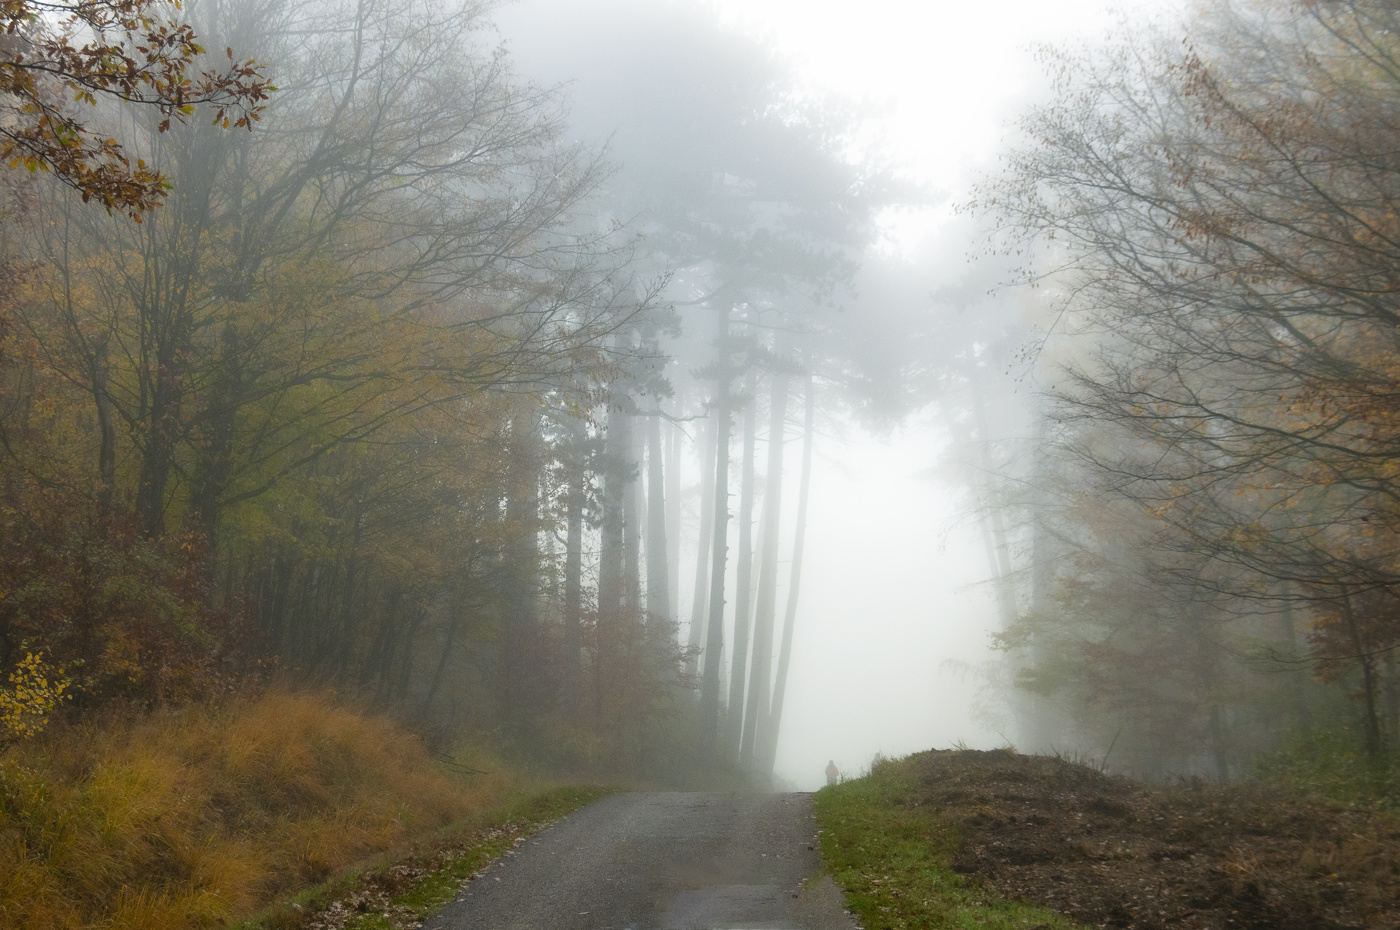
(443, 398)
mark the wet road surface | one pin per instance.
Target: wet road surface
(660, 861)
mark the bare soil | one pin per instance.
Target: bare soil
(1109, 852)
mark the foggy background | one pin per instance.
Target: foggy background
(893, 649)
(414, 390)
(451, 396)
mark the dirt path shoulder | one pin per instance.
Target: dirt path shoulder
(1109, 852)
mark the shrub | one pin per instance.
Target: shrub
(196, 816)
(36, 688)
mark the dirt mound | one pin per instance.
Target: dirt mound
(1110, 852)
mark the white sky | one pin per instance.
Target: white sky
(950, 72)
(948, 75)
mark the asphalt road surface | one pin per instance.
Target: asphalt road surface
(672, 861)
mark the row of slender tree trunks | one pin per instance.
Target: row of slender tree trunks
(740, 720)
(615, 566)
(638, 551)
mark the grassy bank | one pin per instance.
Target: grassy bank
(958, 839)
(1331, 765)
(201, 816)
(893, 854)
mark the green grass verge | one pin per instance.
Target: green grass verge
(1332, 766)
(892, 856)
(401, 893)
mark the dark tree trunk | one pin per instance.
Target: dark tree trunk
(158, 451)
(1297, 669)
(377, 663)
(406, 656)
(700, 599)
(714, 633)
(1391, 733)
(1206, 671)
(439, 672)
(218, 421)
(1372, 720)
(673, 519)
(107, 431)
(524, 684)
(169, 328)
(757, 706)
(658, 571)
(573, 588)
(631, 525)
(613, 542)
(804, 489)
(738, 675)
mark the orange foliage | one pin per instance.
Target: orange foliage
(195, 817)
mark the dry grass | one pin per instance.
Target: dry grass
(195, 817)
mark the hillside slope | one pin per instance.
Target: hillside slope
(196, 816)
(1101, 851)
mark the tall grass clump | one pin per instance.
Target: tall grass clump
(194, 816)
(1334, 765)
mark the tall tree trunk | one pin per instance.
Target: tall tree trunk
(352, 598)
(173, 257)
(699, 602)
(673, 520)
(714, 633)
(376, 664)
(1207, 656)
(1297, 669)
(631, 525)
(454, 621)
(804, 489)
(1392, 701)
(406, 659)
(658, 571)
(573, 587)
(217, 424)
(608, 630)
(107, 430)
(524, 684)
(739, 660)
(1372, 721)
(157, 458)
(994, 524)
(757, 706)
(1040, 728)
(1218, 745)
(612, 544)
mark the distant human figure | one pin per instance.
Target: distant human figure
(832, 772)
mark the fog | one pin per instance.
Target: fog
(890, 665)
(968, 432)
(697, 393)
(894, 651)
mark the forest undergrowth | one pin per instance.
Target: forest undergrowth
(201, 815)
(997, 839)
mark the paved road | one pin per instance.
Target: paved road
(673, 861)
